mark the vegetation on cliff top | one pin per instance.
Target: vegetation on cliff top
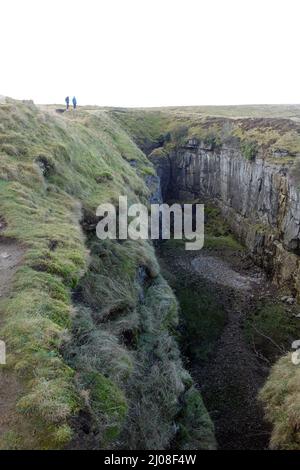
(274, 130)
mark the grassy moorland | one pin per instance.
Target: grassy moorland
(271, 131)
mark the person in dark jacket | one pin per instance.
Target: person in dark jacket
(74, 101)
(67, 100)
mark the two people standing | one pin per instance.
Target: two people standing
(74, 101)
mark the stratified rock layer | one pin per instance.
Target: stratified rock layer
(258, 199)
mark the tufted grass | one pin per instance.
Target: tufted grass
(51, 166)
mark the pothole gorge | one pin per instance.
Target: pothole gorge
(226, 297)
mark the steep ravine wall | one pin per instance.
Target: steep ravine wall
(257, 199)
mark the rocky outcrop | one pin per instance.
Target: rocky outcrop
(257, 198)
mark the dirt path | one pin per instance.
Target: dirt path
(232, 376)
(11, 255)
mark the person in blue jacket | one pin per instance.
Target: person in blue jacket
(67, 100)
(74, 101)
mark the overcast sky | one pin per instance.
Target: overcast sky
(151, 52)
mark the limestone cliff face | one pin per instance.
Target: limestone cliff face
(258, 200)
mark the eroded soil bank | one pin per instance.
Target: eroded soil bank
(217, 290)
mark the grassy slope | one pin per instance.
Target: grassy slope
(110, 356)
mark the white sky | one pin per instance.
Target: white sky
(151, 52)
